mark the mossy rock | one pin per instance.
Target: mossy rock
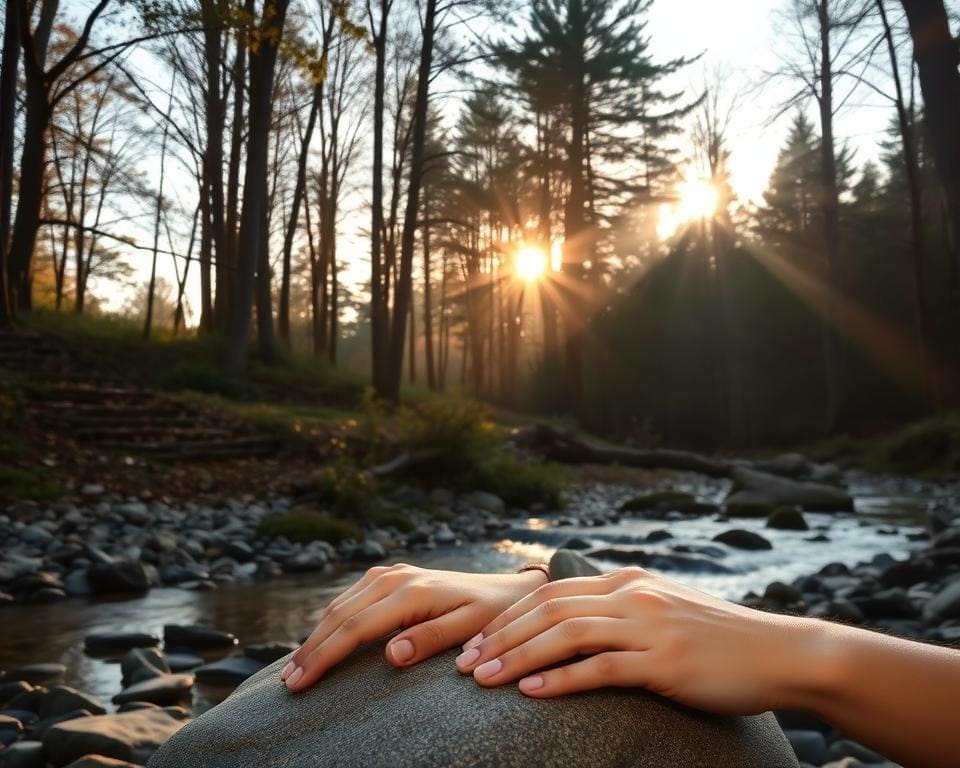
(755, 509)
(674, 500)
(787, 519)
(304, 527)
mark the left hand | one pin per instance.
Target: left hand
(637, 629)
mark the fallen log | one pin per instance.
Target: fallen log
(567, 448)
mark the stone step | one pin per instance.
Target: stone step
(212, 450)
(79, 393)
(142, 435)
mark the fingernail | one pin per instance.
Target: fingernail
(467, 658)
(531, 683)
(489, 669)
(287, 670)
(402, 650)
(295, 677)
(473, 642)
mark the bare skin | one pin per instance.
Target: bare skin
(639, 629)
(437, 610)
(632, 628)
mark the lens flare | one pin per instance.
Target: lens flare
(530, 263)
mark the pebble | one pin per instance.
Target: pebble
(165, 689)
(743, 539)
(194, 637)
(130, 736)
(35, 674)
(118, 641)
(228, 672)
(23, 754)
(62, 699)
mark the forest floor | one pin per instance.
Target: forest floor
(299, 411)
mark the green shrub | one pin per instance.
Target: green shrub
(658, 500)
(345, 489)
(518, 483)
(459, 430)
(930, 448)
(306, 526)
(387, 517)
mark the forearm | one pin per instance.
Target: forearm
(896, 696)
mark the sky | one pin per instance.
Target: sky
(735, 36)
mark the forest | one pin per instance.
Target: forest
(519, 202)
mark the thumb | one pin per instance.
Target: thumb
(424, 640)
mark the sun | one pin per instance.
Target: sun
(530, 262)
(698, 200)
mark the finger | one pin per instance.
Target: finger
(590, 585)
(375, 591)
(371, 575)
(363, 627)
(534, 622)
(559, 643)
(432, 637)
(613, 668)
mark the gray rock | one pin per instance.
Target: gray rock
(267, 653)
(486, 502)
(740, 538)
(190, 636)
(366, 714)
(239, 550)
(23, 754)
(166, 689)
(576, 543)
(110, 642)
(228, 672)
(368, 551)
(183, 662)
(135, 512)
(139, 664)
(809, 746)
(787, 519)
(887, 604)
(99, 761)
(122, 577)
(844, 748)
(444, 536)
(76, 584)
(62, 698)
(306, 562)
(92, 489)
(11, 730)
(10, 690)
(945, 604)
(837, 610)
(36, 535)
(130, 736)
(760, 487)
(35, 674)
(782, 593)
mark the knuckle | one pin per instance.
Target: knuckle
(375, 572)
(551, 609)
(431, 635)
(574, 629)
(398, 567)
(607, 665)
(351, 625)
(647, 600)
(632, 572)
(547, 592)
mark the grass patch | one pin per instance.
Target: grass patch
(519, 484)
(305, 527)
(659, 500)
(36, 485)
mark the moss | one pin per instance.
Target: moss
(750, 509)
(36, 485)
(659, 500)
(389, 517)
(305, 526)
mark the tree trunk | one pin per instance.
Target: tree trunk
(938, 55)
(929, 374)
(148, 322)
(251, 256)
(8, 100)
(427, 297)
(378, 318)
(404, 284)
(283, 312)
(829, 203)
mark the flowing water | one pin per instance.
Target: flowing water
(285, 608)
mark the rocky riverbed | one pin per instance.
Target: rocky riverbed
(88, 580)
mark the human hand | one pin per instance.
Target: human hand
(637, 629)
(439, 609)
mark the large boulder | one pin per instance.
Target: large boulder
(366, 714)
(755, 487)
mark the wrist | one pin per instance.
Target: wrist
(810, 663)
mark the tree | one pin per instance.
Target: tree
(938, 56)
(253, 263)
(595, 53)
(9, 66)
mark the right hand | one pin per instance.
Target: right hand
(437, 609)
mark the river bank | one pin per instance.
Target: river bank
(892, 565)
